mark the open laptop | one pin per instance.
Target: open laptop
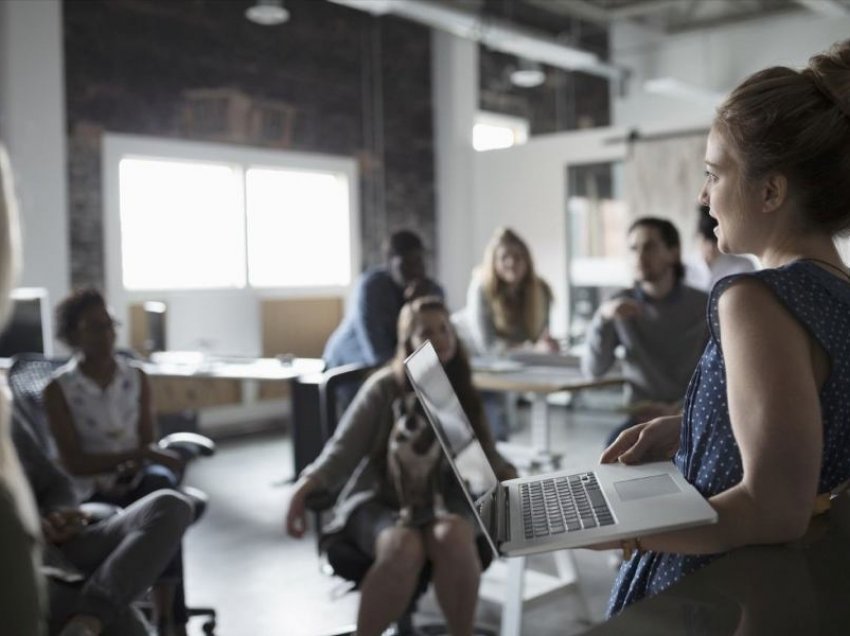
(563, 509)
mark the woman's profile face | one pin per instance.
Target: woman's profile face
(730, 200)
(94, 334)
(434, 325)
(510, 263)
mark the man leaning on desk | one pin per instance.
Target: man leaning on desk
(659, 322)
(367, 334)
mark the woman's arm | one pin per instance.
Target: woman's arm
(480, 317)
(75, 460)
(774, 371)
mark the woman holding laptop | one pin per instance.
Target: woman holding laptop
(765, 429)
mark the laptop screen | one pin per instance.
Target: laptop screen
(462, 448)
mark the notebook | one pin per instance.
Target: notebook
(562, 509)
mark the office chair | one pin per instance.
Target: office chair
(31, 373)
(342, 556)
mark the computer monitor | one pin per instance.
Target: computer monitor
(155, 324)
(29, 327)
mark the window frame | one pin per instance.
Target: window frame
(116, 147)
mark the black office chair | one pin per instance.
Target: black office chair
(28, 376)
(343, 557)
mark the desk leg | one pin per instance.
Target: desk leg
(565, 566)
(514, 591)
(540, 424)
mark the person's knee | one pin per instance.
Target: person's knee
(453, 538)
(174, 506)
(401, 549)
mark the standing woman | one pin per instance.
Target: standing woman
(766, 422)
(22, 601)
(367, 508)
(507, 304)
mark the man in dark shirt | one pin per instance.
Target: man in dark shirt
(96, 568)
(367, 334)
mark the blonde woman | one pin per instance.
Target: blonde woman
(507, 304)
(21, 599)
(507, 307)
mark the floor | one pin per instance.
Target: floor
(264, 583)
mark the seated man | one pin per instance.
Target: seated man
(107, 564)
(660, 323)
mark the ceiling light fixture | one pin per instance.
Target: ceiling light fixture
(528, 74)
(267, 12)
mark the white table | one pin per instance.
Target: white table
(509, 581)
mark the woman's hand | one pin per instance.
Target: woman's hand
(296, 514)
(651, 441)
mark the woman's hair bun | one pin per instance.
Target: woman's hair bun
(830, 72)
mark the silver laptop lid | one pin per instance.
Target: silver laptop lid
(462, 449)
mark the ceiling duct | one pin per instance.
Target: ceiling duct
(497, 35)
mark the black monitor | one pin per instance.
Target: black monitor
(155, 324)
(28, 329)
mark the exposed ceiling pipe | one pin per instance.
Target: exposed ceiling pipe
(827, 8)
(494, 34)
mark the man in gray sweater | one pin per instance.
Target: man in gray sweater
(660, 324)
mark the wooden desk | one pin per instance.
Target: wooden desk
(210, 382)
(268, 369)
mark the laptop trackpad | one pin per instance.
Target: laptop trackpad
(644, 487)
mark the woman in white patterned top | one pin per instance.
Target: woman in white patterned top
(100, 411)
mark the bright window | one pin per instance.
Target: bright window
(182, 225)
(298, 228)
(198, 216)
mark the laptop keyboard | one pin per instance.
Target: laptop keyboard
(563, 504)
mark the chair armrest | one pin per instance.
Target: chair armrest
(189, 445)
(98, 511)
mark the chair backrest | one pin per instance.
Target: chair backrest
(336, 391)
(28, 376)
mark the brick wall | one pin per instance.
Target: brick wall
(356, 86)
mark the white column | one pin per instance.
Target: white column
(32, 125)
(455, 82)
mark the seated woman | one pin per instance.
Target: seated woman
(507, 307)
(101, 415)
(100, 411)
(368, 509)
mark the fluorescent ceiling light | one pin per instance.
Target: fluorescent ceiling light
(672, 87)
(527, 75)
(267, 12)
